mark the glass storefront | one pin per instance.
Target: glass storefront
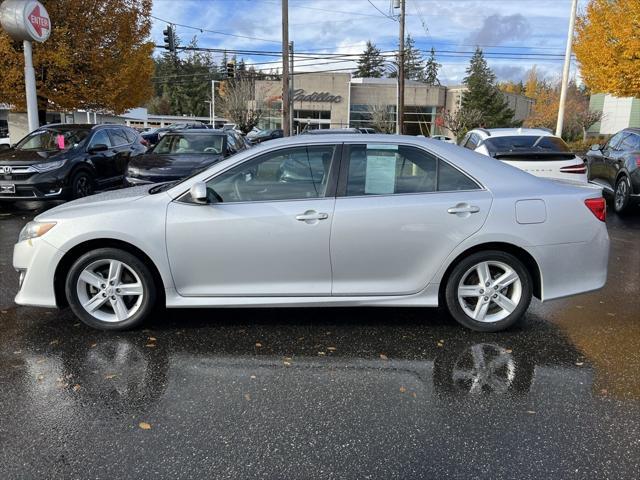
(417, 120)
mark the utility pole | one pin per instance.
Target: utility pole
(213, 104)
(565, 70)
(286, 103)
(400, 107)
(291, 88)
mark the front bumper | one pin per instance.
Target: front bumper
(36, 186)
(36, 260)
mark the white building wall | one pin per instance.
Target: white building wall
(616, 113)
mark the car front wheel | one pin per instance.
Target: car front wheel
(488, 291)
(110, 289)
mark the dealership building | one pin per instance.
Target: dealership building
(336, 100)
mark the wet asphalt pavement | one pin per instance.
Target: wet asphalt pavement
(325, 393)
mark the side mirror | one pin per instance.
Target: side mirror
(198, 193)
(99, 147)
(596, 147)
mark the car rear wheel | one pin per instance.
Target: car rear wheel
(488, 291)
(622, 195)
(110, 289)
(81, 185)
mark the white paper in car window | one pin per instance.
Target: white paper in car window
(380, 176)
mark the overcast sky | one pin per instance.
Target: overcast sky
(506, 28)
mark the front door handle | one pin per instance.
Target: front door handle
(463, 208)
(311, 215)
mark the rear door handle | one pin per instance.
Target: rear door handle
(311, 215)
(463, 208)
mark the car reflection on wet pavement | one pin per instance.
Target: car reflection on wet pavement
(325, 393)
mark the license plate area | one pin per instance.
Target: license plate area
(7, 188)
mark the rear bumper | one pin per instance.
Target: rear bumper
(573, 268)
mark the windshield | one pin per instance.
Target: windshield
(525, 143)
(51, 139)
(177, 144)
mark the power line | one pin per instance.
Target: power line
(381, 12)
(202, 30)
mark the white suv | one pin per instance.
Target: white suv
(534, 150)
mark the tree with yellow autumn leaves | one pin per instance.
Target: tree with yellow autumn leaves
(98, 57)
(607, 46)
(578, 116)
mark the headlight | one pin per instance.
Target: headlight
(48, 166)
(35, 230)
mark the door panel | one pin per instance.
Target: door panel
(251, 249)
(400, 212)
(393, 245)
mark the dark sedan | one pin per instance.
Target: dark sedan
(265, 135)
(179, 154)
(65, 161)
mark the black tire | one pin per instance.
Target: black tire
(623, 189)
(134, 264)
(82, 184)
(451, 291)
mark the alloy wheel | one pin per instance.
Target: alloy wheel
(110, 290)
(622, 191)
(83, 186)
(489, 291)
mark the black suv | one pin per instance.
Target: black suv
(65, 161)
(615, 166)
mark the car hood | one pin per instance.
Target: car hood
(162, 164)
(29, 157)
(112, 200)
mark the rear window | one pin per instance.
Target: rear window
(528, 148)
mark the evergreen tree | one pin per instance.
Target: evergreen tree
(413, 61)
(370, 63)
(223, 63)
(431, 69)
(483, 95)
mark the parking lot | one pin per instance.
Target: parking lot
(325, 393)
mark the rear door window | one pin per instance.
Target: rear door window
(118, 137)
(130, 134)
(101, 137)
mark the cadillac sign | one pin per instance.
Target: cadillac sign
(321, 97)
(25, 20)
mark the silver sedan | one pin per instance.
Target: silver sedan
(332, 220)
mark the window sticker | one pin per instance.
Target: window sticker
(380, 175)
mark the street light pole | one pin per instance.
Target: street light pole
(400, 106)
(30, 87)
(565, 70)
(291, 109)
(286, 104)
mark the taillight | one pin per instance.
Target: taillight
(638, 161)
(580, 168)
(144, 142)
(598, 207)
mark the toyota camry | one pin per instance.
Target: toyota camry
(327, 220)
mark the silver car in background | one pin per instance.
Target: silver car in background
(327, 220)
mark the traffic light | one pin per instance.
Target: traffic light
(169, 38)
(231, 69)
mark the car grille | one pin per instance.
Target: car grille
(8, 173)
